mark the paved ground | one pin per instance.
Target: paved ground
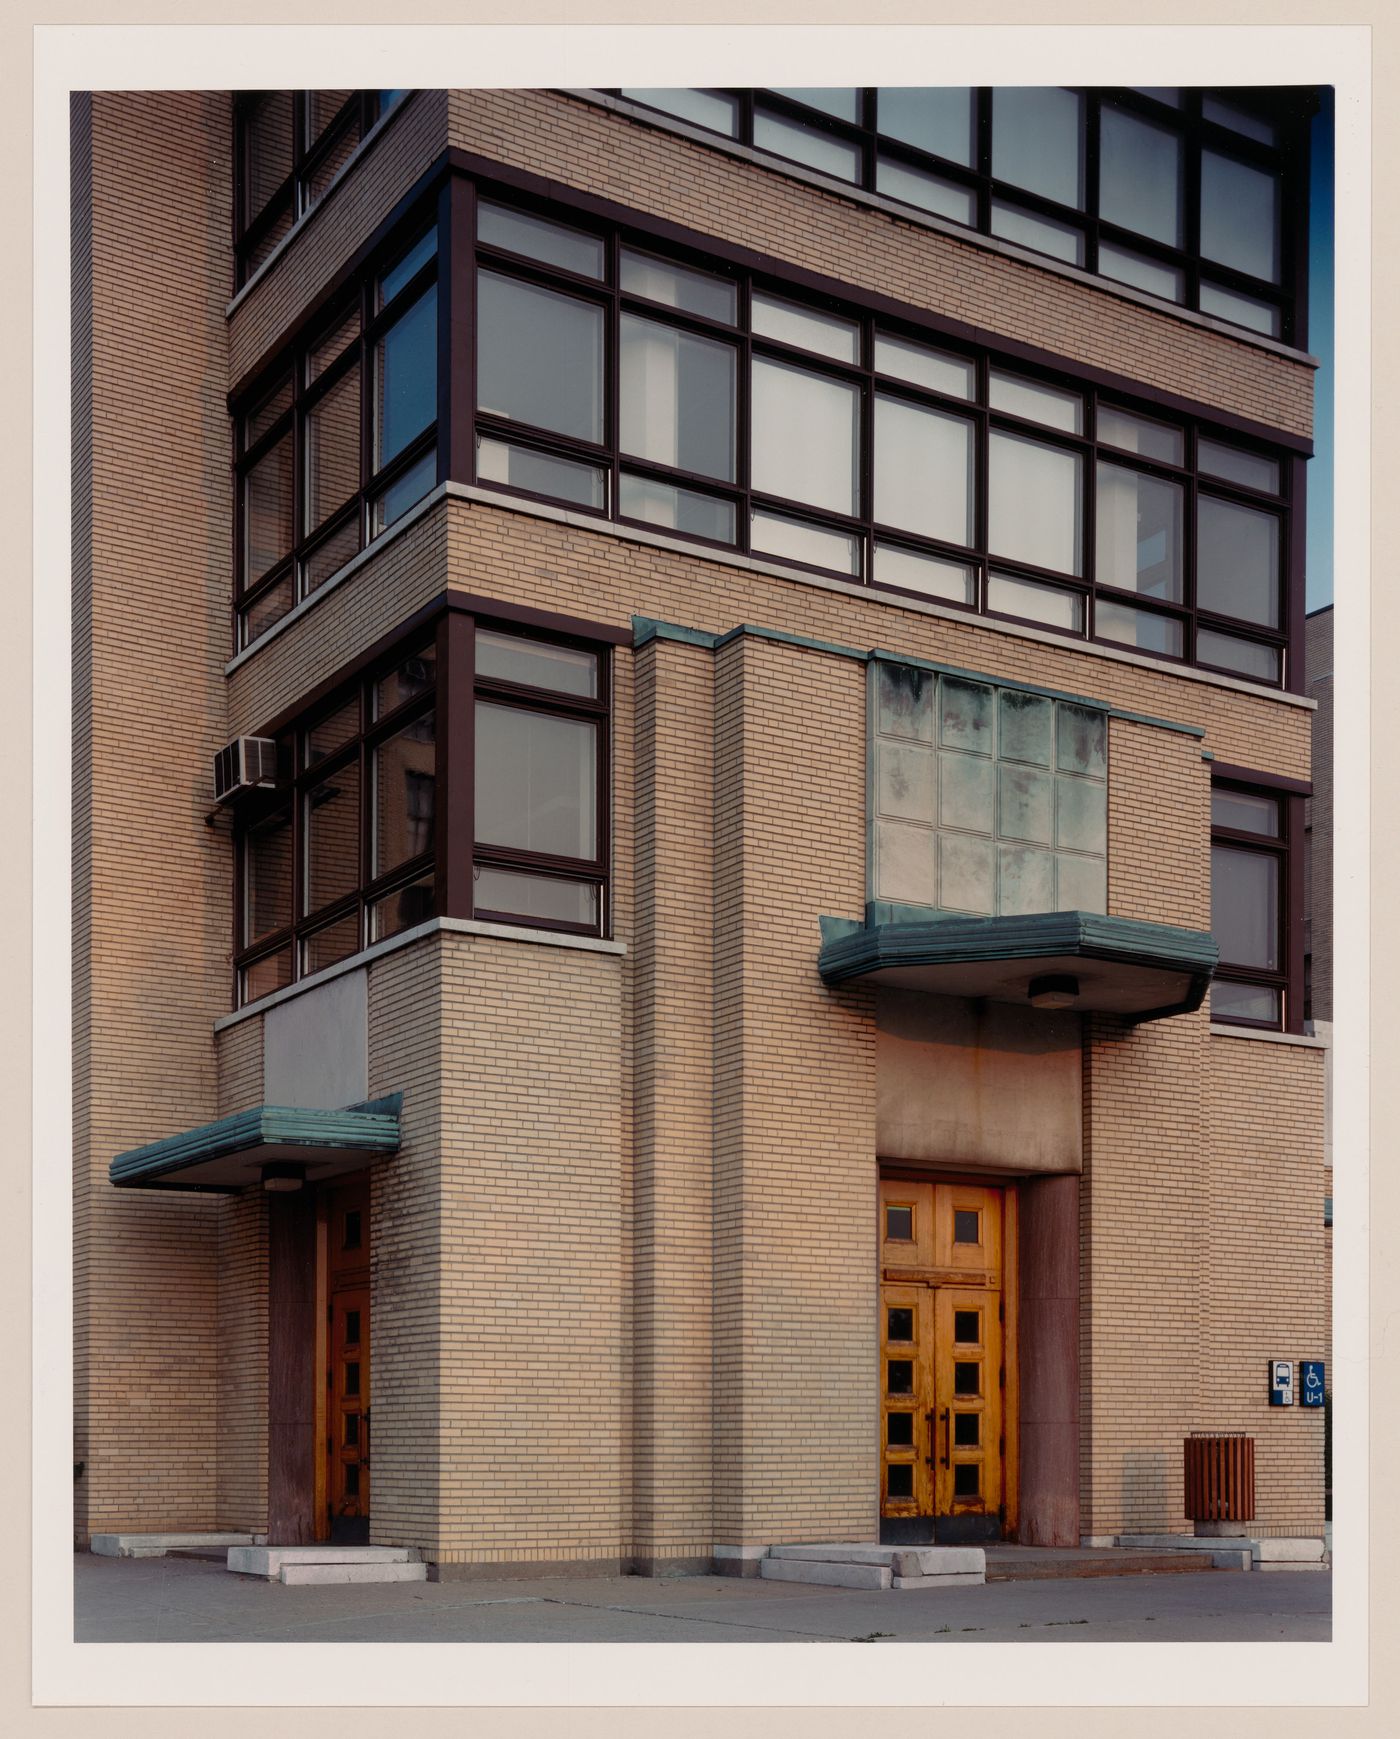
(182, 1600)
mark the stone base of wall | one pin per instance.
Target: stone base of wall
(527, 1569)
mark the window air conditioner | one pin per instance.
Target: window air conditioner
(247, 764)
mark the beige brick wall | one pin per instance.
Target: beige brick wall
(151, 599)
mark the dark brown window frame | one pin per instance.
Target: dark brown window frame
(293, 371)
(1286, 849)
(291, 200)
(1288, 159)
(448, 627)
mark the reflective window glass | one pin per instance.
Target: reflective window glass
(1035, 503)
(678, 286)
(923, 470)
(1036, 402)
(808, 328)
(1244, 657)
(677, 398)
(536, 781)
(1038, 141)
(842, 103)
(332, 447)
(938, 370)
(1126, 267)
(1235, 465)
(1140, 180)
(538, 473)
(1137, 535)
(913, 571)
(929, 192)
(937, 120)
(1247, 311)
(406, 266)
(1244, 910)
(806, 436)
(267, 876)
(536, 663)
(1255, 1002)
(675, 508)
(1134, 434)
(405, 791)
(521, 232)
(539, 357)
(1244, 812)
(1143, 629)
(267, 511)
(406, 379)
(1237, 561)
(1240, 216)
(809, 145)
(713, 109)
(547, 899)
(332, 822)
(818, 546)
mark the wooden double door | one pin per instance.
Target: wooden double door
(344, 1468)
(947, 1364)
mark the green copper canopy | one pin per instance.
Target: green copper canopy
(1122, 966)
(230, 1154)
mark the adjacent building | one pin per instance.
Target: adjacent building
(741, 977)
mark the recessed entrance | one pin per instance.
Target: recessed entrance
(344, 1465)
(947, 1367)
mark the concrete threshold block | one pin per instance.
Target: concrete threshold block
(915, 1561)
(901, 1560)
(318, 1575)
(268, 1560)
(958, 1579)
(875, 1576)
(1288, 1551)
(157, 1545)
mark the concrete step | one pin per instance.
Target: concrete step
(873, 1576)
(269, 1560)
(1284, 1550)
(317, 1575)
(1112, 1563)
(908, 1561)
(157, 1545)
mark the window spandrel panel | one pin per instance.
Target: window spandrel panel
(536, 781)
(539, 357)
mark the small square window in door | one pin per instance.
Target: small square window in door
(966, 1480)
(967, 1226)
(899, 1325)
(900, 1475)
(901, 1377)
(967, 1326)
(899, 1225)
(899, 1430)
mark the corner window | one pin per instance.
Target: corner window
(354, 844)
(1249, 884)
(987, 801)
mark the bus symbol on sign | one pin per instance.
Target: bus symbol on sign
(1312, 1380)
(1280, 1382)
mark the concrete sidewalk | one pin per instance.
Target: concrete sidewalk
(189, 1600)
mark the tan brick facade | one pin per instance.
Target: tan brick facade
(625, 1283)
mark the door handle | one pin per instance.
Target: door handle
(947, 1436)
(364, 1452)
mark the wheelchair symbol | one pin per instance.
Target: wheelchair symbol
(1313, 1380)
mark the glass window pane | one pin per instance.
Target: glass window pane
(913, 572)
(267, 132)
(899, 1480)
(405, 267)
(966, 873)
(1013, 223)
(967, 1478)
(1035, 503)
(1038, 142)
(539, 357)
(339, 151)
(808, 328)
(678, 286)
(333, 449)
(1136, 434)
(269, 242)
(900, 1376)
(267, 882)
(899, 1430)
(1026, 723)
(795, 540)
(403, 909)
(1247, 311)
(1081, 883)
(406, 491)
(1081, 741)
(934, 119)
(536, 781)
(266, 412)
(335, 943)
(899, 1325)
(1239, 216)
(1037, 403)
(923, 470)
(1244, 1002)
(806, 436)
(1026, 805)
(905, 701)
(809, 145)
(332, 732)
(1081, 815)
(684, 510)
(322, 107)
(1237, 466)
(271, 607)
(520, 232)
(1237, 562)
(272, 972)
(1026, 879)
(935, 369)
(1244, 812)
(712, 109)
(1142, 273)
(677, 398)
(1143, 629)
(536, 663)
(1238, 120)
(1140, 181)
(842, 103)
(905, 779)
(1137, 538)
(967, 791)
(967, 1229)
(965, 719)
(267, 511)
(967, 1326)
(1244, 657)
(1162, 93)
(551, 899)
(933, 193)
(409, 678)
(406, 379)
(405, 793)
(332, 345)
(966, 1432)
(541, 473)
(333, 836)
(899, 1224)
(1244, 906)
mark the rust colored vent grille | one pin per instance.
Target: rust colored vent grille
(1219, 1477)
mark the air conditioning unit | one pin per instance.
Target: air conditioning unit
(247, 764)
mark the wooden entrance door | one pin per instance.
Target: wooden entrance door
(345, 1209)
(947, 1263)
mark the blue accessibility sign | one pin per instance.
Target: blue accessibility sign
(1312, 1382)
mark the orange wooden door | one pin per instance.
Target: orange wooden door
(943, 1388)
(347, 1415)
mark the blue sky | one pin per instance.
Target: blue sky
(1320, 337)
